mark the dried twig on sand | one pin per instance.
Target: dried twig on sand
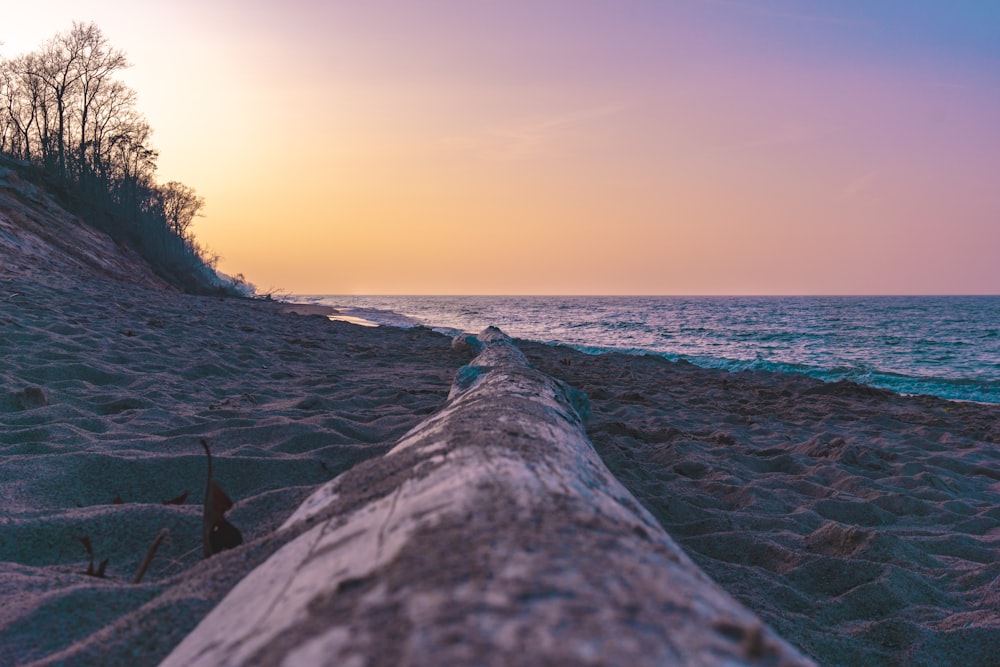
(149, 555)
(91, 572)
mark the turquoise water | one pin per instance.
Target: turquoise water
(943, 346)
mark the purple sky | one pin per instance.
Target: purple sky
(691, 146)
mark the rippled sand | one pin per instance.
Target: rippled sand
(862, 525)
(105, 392)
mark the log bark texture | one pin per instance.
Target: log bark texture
(491, 534)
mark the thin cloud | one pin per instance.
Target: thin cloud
(859, 185)
(757, 10)
(529, 140)
(787, 136)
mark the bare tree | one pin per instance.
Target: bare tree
(95, 63)
(111, 114)
(58, 69)
(10, 131)
(42, 104)
(25, 109)
(181, 205)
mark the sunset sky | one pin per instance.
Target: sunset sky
(573, 146)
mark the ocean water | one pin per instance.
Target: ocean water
(943, 346)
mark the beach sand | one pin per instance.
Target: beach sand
(106, 390)
(863, 526)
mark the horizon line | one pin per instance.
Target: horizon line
(656, 295)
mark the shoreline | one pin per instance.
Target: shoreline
(870, 511)
(306, 309)
(732, 366)
(334, 314)
(922, 362)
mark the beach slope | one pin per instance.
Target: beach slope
(109, 381)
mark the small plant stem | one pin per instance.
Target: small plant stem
(149, 555)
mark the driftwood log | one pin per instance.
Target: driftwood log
(491, 534)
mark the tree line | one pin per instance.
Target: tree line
(64, 112)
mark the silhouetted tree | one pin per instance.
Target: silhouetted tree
(111, 117)
(180, 206)
(56, 66)
(26, 107)
(63, 110)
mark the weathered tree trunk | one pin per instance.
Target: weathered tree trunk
(491, 534)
